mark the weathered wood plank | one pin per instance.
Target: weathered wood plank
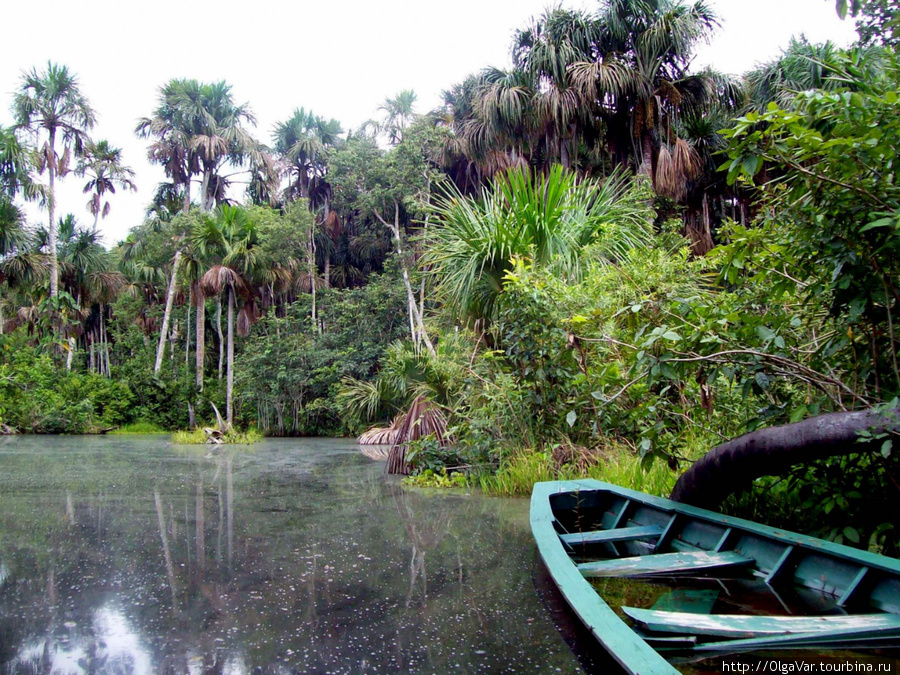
(741, 626)
(663, 563)
(606, 536)
(838, 639)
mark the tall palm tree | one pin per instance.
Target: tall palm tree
(49, 104)
(171, 129)
(102, 164)
(399, 113)
(237, 268)
(302, 142)
(198, 129)
(641, 64)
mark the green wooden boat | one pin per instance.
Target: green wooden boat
(721, 585)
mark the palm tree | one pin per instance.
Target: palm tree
(302, 142)
(546, 219)
(641, 64)
(102, 164)
(171, 130)
(399, 113)
(198, 129)
(233, 275)
(50, 104)
(17, 264)
(14, 166)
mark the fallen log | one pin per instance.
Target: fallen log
(733, 466)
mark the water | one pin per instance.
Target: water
(129, 555)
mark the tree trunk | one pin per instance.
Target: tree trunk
(187, 332)
(311, 270)
(204, 189)
(646, 167)
(229, 384)
(170, 301)
(417, 328)
(186, 206)
(219, 331)
(71, 353)
(51, 207)
(734, 465)
(201, 337)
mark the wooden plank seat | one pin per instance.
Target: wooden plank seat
(752, 627)
(609, 536)
(663, 563)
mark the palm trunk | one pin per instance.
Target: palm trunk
(311, 270)
(219, 331)
(204, 189)
(51, 207)
(187, 196)
(201, 337)
(187, 332)
(646, 168)
(170, 301)
(229, 384)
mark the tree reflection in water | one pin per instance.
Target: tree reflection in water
(294, 556)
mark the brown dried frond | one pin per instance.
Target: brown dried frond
(422, 419)
(675, 168)
(332, 224)
(218, 278)
(382, 435)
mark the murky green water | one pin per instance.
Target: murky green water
(129, 555)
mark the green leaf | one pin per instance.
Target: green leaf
(886, 448)
(635, 308)
(671, 335)
(750, 165)
(571, 417)
(851, 534)
(798, 413)
(762, 380)
(881, 222)
(598, 395)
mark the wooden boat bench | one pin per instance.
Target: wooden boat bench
(663, 563)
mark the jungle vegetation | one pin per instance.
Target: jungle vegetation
(596, 260)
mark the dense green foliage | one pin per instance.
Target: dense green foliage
(595, 263)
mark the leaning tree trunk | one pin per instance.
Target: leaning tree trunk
(732, 466)
(170, 301)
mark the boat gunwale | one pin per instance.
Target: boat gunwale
(806, 542)
(616, 636)
(628, 648)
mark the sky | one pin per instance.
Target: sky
(340, 58)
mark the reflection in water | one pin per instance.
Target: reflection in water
(110, 645)
(298, 556)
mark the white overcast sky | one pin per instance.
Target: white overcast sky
(339, 58)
